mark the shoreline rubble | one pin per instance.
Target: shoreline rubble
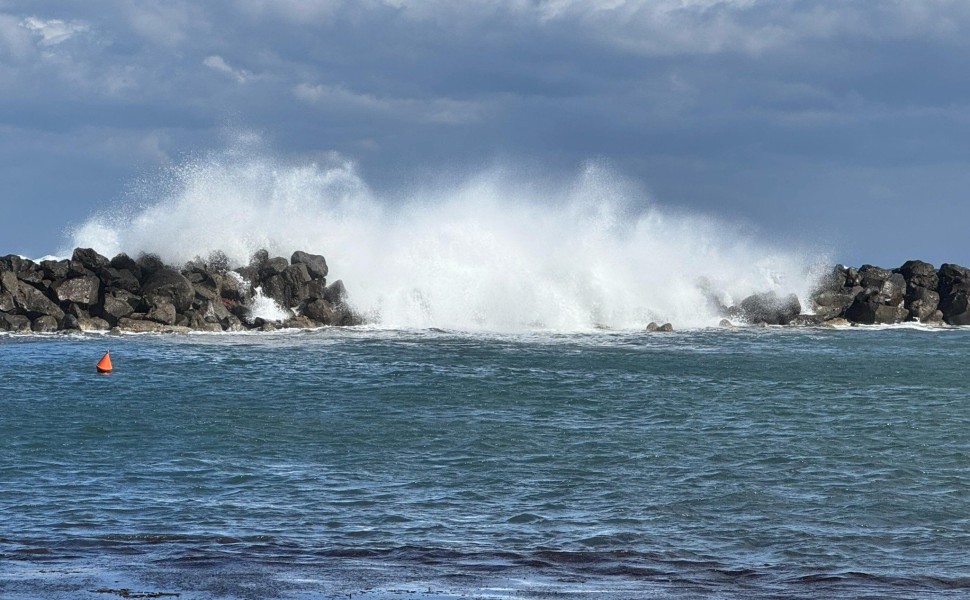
(90, 292)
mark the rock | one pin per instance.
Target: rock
(921, 303)
(868, 308)
(319, 310)
(726, 324)
(35, 304)
(139, 326)
(14, 323)
(89, 259)
(832, 303)
(271, 267)
(9, 282)
(149, 264)
(70, 323)
(299, 322)
(954, 290)
(335, 293)
(919, 274)
(288, 288)
(115, 307)
(808, 320)
(652, 326)
(837, 322)
(316, 265)
(163, 311)
(770, 308)
(80, 290)
(44, 324)
(167, 284)
(666, 327)
(258, 258)
(120, 279)
(55, 269)
(93, 324)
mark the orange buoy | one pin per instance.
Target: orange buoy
(104, 365)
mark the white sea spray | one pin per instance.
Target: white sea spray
(496, 252)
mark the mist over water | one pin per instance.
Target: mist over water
(495, 252)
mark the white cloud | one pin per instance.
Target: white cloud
(53, 31)
(217, 63)
(445, 111)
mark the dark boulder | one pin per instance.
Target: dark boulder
(80, 290)
(830, 304)
(169, 285)
(271, 267)
(14, 323)
(120, 279)
(162, 310)
(115, 307)
(770, 308)
(316, 265)
(149, 264)
(289, 287)
(335, 293)
(954, 290)
(70, 323)
(319, 310)
(55, 269)
(869, 308)
(258, 258)
(919, 274)
(44, 324)
(89, 259)
(921, 303)
(34, 303)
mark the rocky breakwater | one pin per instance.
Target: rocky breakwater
(90, 292)
(915, 292)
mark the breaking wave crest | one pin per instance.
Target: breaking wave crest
(496, 252)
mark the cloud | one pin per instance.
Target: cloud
(217, 63)
(53, 31)
(706, 100)
(444, 111)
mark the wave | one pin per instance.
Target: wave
(497, 251)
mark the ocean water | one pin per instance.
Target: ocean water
(382, 463)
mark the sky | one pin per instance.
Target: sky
(843, 124)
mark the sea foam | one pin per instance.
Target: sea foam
(494, 252)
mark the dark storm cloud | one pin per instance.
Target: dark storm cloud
(841, 121)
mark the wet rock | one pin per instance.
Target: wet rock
(169, 285)
(770, 308)
(652, 326)
(320, 311)
(666, 327)
(335, 293)
(726, 324)
(869, 308)
(6, 302)
(316, 265)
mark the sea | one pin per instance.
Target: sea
(432, 464)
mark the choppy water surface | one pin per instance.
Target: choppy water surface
(758, 463)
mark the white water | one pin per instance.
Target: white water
(494, 253)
